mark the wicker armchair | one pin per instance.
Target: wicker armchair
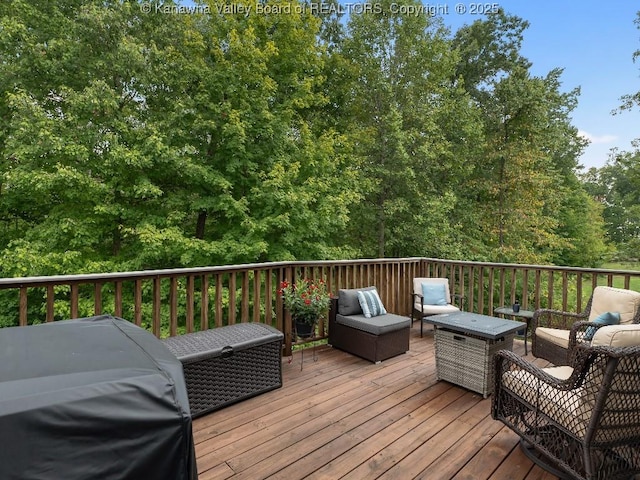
(555, 333)
(579, 422)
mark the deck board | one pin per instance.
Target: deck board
(344, 417)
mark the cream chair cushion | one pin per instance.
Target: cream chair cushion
(433, 309)
(617, 336)
(565, 407)
(554, 335)
(610, 299)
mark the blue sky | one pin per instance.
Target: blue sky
(593, 41)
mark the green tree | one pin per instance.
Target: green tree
(632, 99)
(410, 130)
(617, 187)
(135, 140)
(526, 171)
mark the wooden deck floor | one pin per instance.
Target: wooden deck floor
(344, 417)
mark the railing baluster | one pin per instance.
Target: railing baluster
(579, 292)
(97, 299)
(219, 288)
(23, 307)
(117, 299)
(204, 300)
(565, 306)
(137, 302)
(244, 311)
(157, 303)
(256, 295)
(268, 296)
(492, 305)
(189, 305)
(480, 283)
(173, 306)
(502, 274)
(524, 300)
(50, 303)
(232, 298)
(74, 300)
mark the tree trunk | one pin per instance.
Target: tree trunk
(202, 220)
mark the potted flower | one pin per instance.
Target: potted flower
(307, 301)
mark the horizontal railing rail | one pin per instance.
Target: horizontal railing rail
(487, 286)
(176, 301)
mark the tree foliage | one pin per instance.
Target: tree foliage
(616, 186)
(134, 140)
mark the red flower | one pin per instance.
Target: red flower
(307, 301)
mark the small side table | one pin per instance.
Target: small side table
(526, 315)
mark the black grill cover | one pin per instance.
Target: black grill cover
(92, 398)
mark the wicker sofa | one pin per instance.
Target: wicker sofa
(580, 421)
(374, 339)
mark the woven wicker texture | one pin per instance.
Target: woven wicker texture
(228, 364)
(212, 342)
(467, 360)
(588, 425)
(374, 348)
(574, 322)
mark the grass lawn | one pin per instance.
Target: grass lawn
(619, 282)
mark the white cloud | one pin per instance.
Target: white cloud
(597, 139)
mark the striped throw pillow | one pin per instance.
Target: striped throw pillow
(370, 303)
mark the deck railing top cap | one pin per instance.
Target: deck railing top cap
(178, 272)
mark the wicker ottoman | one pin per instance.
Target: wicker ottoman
(228, 364)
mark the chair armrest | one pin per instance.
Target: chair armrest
(508, 361)
(545, 317)
(460, 299)
(415, 297)
(577, 335)
(578, 331)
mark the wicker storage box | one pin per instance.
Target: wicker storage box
(467, 360)
(228, 364)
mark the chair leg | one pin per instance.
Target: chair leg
(540, 460)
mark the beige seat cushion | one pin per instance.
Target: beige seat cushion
(554, 335)
(610, 299)
(566, 407)
(617, 336)
(437, 309)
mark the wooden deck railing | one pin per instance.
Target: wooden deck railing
(176, 301)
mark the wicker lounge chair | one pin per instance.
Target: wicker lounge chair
(579, 422)
(555, 333)
(420, 307)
